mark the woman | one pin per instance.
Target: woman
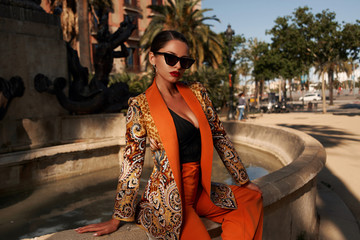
(182, 128)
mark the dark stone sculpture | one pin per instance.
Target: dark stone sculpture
(27, 4)
(96, 97)
(104, 51)
(9, 90)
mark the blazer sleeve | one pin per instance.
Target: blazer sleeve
(222, 143)
(132, 164)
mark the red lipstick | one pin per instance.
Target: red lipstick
(175, 74)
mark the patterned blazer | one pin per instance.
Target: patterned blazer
(160, 208)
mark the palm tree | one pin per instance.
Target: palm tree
(345, 66)
(244, 69)
(184, 17)
(321, 69)
(252, 55)
(331, 67)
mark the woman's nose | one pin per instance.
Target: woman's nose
(178, 65)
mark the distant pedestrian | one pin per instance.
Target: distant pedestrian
(339, 91)
(241, 106)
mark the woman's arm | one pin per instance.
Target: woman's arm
(132, 164)
(130, 173)
(222, 143)
(101, 228)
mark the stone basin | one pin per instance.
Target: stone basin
(289, 193)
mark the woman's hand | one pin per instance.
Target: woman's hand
(253, 186)
(154, 145)
(101, 228)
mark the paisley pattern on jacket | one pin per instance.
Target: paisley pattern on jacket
(160, 208)
(132, 165)
(222, 143)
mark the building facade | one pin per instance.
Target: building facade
(138, 10)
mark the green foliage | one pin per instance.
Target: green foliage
(137, 82)
(348, 84)
(233, 47)
(214, 80)
(336, 83)
(268, 63)
(290, 42)
(304, 40)
(257, 57)
(318, 86)
(351, 39)
(230, 52)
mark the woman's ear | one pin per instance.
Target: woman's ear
(152, 58)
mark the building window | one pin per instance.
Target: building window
(130, 58)
(132, 61)
(130, 2)
(156, 2)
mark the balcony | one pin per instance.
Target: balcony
(132, 7)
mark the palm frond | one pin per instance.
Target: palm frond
(184, 17)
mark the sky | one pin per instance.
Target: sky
(252, 18)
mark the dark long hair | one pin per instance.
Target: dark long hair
(163, 37)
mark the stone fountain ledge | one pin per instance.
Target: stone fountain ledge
(89, 144)
(289, 193)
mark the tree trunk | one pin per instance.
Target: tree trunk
(257, 92)
(290, 83)
(84, 33)
(331, 81)
(280, 89)
(323, 92)
(261, 89)
(284, 89)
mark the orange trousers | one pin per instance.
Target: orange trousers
(243, 223)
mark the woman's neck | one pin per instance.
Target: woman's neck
(166, 88)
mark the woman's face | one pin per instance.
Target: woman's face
(165, 72)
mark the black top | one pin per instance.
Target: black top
(189, 139)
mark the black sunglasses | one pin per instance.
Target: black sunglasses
(171, 60)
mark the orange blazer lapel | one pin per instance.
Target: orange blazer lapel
(166, 128)
(167, 131)
(205, 132)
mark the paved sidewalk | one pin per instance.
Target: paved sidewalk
(339, 182)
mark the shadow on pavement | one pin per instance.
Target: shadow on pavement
(327, 136)
(338, 215)
(347, 114)
(331, 137)
(350, 106)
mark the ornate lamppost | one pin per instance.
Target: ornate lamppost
(228, 34)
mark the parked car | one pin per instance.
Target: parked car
(272, 104)
(311, 97)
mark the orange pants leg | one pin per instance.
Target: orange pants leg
(245, 222)
(192, 227)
